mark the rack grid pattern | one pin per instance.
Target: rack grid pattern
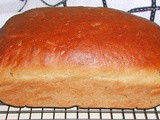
(74, 113)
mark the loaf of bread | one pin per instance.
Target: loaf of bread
(80, 56)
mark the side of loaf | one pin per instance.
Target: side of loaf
(80, 56)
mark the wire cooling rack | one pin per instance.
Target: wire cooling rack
(15, 113)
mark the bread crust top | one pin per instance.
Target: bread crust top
(79, 36)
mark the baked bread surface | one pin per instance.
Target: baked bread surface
(79, 56)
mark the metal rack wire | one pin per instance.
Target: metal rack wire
(15, 113)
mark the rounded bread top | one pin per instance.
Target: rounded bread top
(80, 36)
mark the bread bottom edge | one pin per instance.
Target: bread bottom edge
(62, 93)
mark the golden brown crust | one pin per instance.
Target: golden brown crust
(80, 52)
(87, 36)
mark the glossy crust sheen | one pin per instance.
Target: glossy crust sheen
(90, 57)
